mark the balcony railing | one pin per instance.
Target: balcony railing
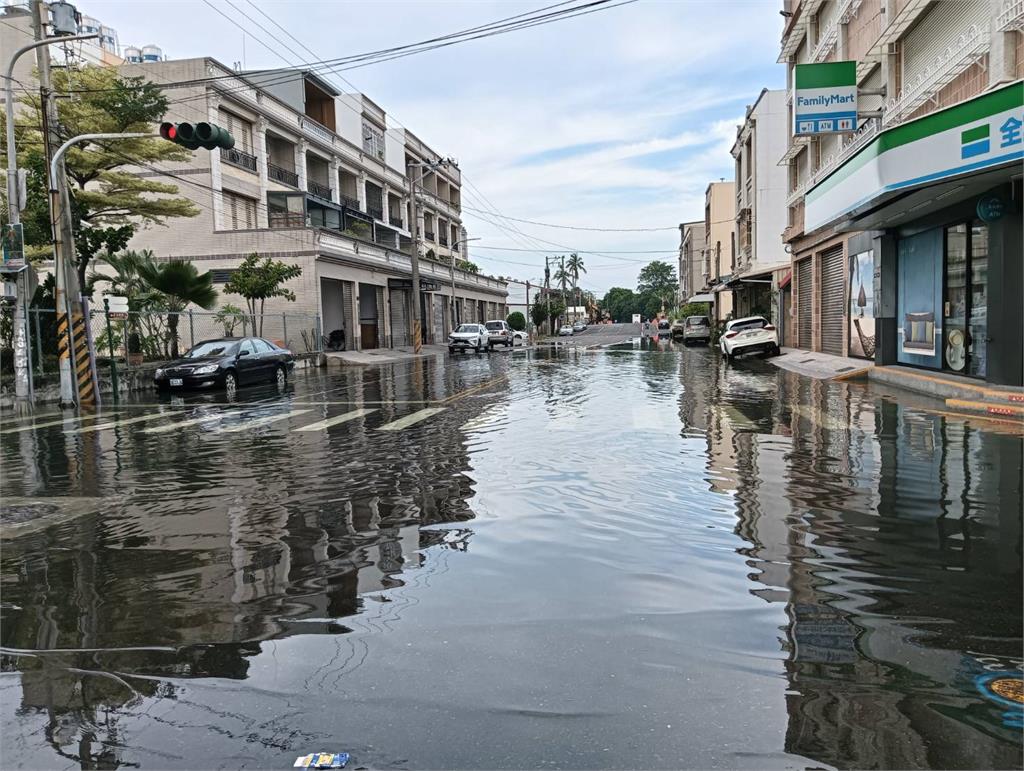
(282, 175)
(429, 235)
(319, 190)
(852, 144)
(350, 201)
(826, 42)
(957, 57)
(1012, 16)
(395, 219)
(443, 240)
(238, 158)
(315, 129)
(377, 212)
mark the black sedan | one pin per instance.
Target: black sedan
(228, 363)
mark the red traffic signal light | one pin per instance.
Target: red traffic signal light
(194, 136)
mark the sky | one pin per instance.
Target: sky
(617, 119)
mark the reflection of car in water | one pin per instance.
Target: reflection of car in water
(228, 362)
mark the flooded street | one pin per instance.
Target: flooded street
(576, 559)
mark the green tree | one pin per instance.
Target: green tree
(575, 267)
(621, 304)
(257, 280)
(466, 265)
(181, 285)
(657, 280)
(547, 308)
(107, 200)
(517, 321)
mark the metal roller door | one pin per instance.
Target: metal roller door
(438, 303)
(803, 304)
(833, 300)
(347, 295)
(399, 317)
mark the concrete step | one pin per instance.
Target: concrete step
(986, 407)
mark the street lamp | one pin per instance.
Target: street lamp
(451, 267)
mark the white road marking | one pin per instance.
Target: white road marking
(409, 420)
(328, 422)
(183, 424)
(258, 422)
(116, 423)
(61, 422)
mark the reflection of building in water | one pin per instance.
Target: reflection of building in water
(893, 537)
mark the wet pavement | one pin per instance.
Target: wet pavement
(569, 559)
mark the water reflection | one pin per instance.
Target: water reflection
(893, 537)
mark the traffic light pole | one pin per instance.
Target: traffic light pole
(64, 270)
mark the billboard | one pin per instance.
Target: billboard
(824, 98)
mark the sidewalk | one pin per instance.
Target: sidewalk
(960, 394)
(382, 355)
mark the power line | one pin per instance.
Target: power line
(583, 251)
(579, 227)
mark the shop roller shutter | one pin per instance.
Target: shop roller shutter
(833, 300)
(803, 304)
(399, 317)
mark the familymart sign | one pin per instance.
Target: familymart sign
(982, 133)
(824, 98)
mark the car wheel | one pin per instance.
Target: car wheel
(281, 378)
(230, 384)
(451, 349)
(774, 351)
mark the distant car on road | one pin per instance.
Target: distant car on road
(498, 333)
(468, 336)
(565, 331)
(696, 329)
(227, 362)
(747, 335)
(664, 328)
(579, 326)
(520, 336)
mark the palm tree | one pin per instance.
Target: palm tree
(182, 285)
(575, 267)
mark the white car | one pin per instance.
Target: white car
(468, 336)
(520, 337)
(754, 333)
(565, 330)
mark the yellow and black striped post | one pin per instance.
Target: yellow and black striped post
(82, 360)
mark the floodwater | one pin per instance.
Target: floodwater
(614, 559)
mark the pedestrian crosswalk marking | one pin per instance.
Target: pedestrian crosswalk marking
(343, 418)
(116, 423)
(409, 420)
(61, 422)
(183, 423)
(257, 422)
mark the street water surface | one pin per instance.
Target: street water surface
(576, 559)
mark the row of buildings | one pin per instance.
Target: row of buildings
(318, 178)
(899, 241)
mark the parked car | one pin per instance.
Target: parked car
(664, 328)
(696, 329)
(520, 336)
(565, 330)
(227, 362)
(467, 336)
(747, 335)
(579, 326)
(499, 333)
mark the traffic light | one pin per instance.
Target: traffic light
(196, 135)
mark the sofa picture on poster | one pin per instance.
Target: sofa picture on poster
(862, 305)
(920, 287)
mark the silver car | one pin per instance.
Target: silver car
(468, 337)
(697, 329)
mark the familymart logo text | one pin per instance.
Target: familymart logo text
(824, 100)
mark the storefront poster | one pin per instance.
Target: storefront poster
(918, 322)
(862, 304)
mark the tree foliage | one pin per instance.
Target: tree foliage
(108, 202)
(517, 321)
(258, 279)
(621, 304)
(468, 266)
(658, 278)
(181, 285)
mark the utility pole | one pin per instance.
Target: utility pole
(547, 287)
(529, 316)
(414, 261)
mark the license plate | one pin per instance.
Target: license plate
(176, 381)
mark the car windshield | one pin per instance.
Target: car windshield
(697, 321)
(494, 325)
(468, 328)
(739, 326)
(212, 348)
(663, 324)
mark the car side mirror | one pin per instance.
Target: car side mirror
(242, 353)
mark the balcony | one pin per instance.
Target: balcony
(852, 144)
(319, 190)
(429, 235)
(1012, 16)
(350, 202)
(316, 130)
(826, 43)
(239, 159)
(443, 240)
(377, 212)
(282, 175)
(286, 219)
(395, 219)
(958, 56)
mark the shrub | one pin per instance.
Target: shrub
(517, 321)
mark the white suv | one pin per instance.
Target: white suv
(499, 333)
(754, 333)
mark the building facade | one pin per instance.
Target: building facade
(691, 261)
(317, 178)
(920, 65)
(720, 244)
(761, 258)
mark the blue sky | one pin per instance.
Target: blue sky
(615, 119)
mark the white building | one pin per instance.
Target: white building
(317, 178)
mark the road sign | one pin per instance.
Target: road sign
(825, 98)
(13, 242)
(117, 306)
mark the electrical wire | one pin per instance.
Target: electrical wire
(578, 227)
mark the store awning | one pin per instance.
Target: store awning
(706, 297)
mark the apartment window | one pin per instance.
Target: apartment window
(373, 140)
(239, 212)
(222, 275)
(240, 129)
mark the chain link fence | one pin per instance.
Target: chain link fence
(148, 338)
